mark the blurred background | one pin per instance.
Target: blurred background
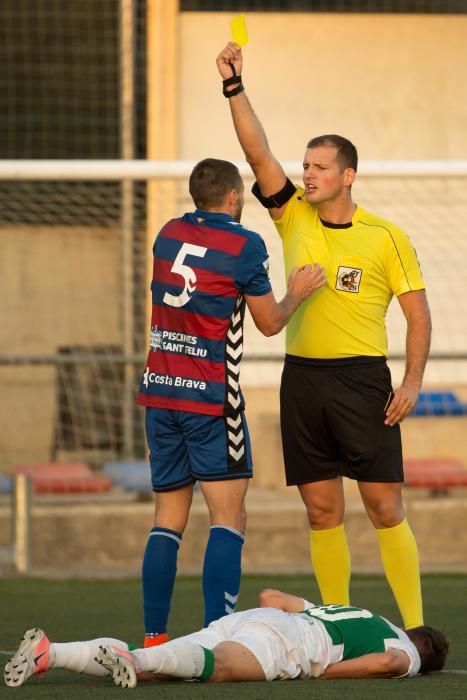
(86, 89)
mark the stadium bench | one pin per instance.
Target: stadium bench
(56, 477)
(439, 403)
(131, 476)
(437, 473)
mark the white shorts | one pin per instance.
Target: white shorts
(272, 637)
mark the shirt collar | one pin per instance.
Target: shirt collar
(213, 215)
(347, 224)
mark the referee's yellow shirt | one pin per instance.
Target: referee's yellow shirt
(366, 264)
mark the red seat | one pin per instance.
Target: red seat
(435, 473)
(64, 477)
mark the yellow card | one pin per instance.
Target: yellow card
(239, 30)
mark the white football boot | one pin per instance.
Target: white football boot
(32, 657)
(121, 665)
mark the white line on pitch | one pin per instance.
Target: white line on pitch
(453, 670)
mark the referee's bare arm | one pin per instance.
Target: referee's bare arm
(267, 169)
(417, 314)
(271, 316)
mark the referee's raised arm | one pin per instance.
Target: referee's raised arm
(269, 173)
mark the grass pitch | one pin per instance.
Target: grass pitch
(72, 610)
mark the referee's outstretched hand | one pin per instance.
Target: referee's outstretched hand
(305, 280)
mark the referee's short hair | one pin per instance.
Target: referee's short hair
(347, 155)
(210, 181)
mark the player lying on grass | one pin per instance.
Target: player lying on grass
(286, 638)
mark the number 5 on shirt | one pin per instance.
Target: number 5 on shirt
(186, 272)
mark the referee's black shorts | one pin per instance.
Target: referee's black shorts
(332, 421)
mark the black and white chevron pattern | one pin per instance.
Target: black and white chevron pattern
(235, 439)
(233, 355)
(233, 399)
(230, 603)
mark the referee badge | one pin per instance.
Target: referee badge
(348, 279)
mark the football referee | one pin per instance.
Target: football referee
(339, 414)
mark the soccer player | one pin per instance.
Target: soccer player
(287, 637)
(339, 414)
(207, 266)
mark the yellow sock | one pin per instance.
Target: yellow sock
(330, 558)
(399, 554)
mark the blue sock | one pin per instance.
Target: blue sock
(221, 572)
(159, 570)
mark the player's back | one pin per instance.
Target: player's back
(354, 632)
(203, 263)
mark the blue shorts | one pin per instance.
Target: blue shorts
(187, 447)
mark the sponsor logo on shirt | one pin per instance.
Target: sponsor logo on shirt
(155, 342)
(348, 279)
(181, 382)
(175, 341)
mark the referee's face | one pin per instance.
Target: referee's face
(323, 178)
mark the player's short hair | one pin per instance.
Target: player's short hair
(432, 645)
(210, 181)
(347, 155)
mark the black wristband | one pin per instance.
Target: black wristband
(235, 91)
(233, 80)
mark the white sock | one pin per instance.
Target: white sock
(79, 656)
(179, 658)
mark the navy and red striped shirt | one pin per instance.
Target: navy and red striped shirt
(204, 264)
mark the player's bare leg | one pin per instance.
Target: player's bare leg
(172, 508)
(226, 502)
(234, 662)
